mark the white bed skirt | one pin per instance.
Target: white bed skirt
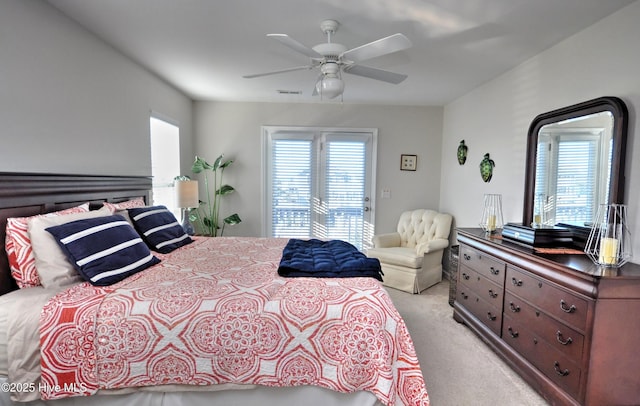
(258, 396)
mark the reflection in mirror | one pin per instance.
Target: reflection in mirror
(573, 167)
(575, 162)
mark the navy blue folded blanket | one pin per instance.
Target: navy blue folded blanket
(326, 259)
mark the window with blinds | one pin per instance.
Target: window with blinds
(577, 181)
(345, 195)
(291, 167)
(540, 208)
(165, 162)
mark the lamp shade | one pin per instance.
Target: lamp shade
(187, 193)
(330, 87)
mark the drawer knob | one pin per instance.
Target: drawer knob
(516, 282)
(465, 276)
(559, 371)
(493, 294)
(467, 257)
(563, 306)
(491, 316)
(561, 340)
(494, 271)
(514, 308)
(464, 295)
(513, 334)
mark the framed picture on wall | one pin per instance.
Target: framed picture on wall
(408, 162)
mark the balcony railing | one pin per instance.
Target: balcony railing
(343, 223)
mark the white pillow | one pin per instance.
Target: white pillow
(52, 265)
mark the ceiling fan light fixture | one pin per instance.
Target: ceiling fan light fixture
(330, 87)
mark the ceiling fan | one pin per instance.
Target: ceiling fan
(333, 59)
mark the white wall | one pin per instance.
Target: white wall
(71, 104)
(602, 60)
(234, 129)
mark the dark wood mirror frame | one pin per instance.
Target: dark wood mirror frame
(620, 114)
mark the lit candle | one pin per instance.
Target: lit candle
(491, 222)
(608, 251)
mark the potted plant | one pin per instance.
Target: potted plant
(209, 223)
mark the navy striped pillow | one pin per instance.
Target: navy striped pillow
(159, 228)
(104, 250)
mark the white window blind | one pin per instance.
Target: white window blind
(291, 164)
(542, 180)
(165, 162)
(576, 188)
(345, 189)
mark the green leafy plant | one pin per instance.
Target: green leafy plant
(209, 223)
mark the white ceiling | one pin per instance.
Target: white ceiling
(204, 47)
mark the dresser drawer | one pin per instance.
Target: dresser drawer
(484, 264)
(564, 305)
(563, 338)
(483, 287)
(553, 363)
(485, 312)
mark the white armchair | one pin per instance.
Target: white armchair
(411, 258)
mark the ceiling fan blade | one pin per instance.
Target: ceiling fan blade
(383, 46)
(295, 45)
(257, 75)
(374, 73)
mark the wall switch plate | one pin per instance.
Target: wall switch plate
(386, 194)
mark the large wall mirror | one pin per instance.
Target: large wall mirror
(575, 162)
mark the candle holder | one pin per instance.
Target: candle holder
(539, 212)
(609, 242)
(492, 213)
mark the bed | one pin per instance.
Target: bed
(211, 323)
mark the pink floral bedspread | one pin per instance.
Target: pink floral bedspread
(214, 312)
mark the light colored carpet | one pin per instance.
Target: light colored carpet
(458, 368)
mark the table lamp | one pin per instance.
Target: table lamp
(187, 199)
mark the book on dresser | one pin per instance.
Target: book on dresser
(568, 327)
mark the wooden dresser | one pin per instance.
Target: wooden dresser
(569, 328)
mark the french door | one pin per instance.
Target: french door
(319, 183)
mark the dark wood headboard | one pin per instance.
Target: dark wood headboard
(28, 194)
